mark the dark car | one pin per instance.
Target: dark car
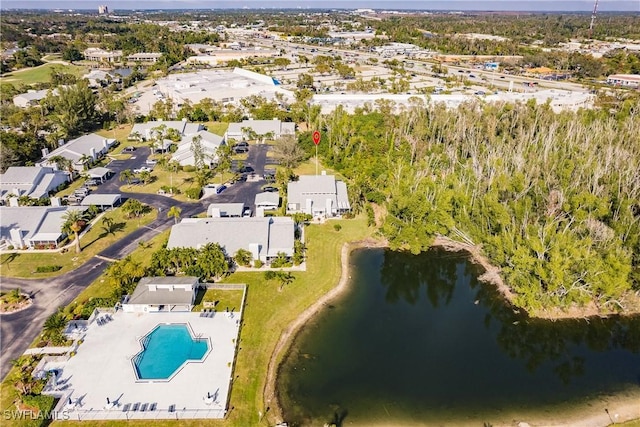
(245, 169)
(238, 149)
(270, 189)
(220, 189)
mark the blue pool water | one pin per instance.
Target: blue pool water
(165, 349)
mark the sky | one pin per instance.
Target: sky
(493, 5)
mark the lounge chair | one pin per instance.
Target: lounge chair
(144, 407)
(125, 407)
(135, 406)
(172, 408)
(152, 406)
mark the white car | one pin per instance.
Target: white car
(142, 169)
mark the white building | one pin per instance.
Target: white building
(163, 294)
(96, 54)
(32, 181)
(30, 98)
(80, 151)
(152, 130)
(267, 201)
(220, 85)
(35, 227)
(261, 128)
(209, 142)
(625, 80)
(321, 196)
(148, 57)
(225, 210)
(264, 237)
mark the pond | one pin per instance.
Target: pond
(417, 339)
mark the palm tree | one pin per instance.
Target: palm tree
(74, 220)
(174, 212)
(86, 161)
(126, 175)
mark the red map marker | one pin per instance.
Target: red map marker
(316, 137)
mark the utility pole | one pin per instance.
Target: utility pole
(593, 18)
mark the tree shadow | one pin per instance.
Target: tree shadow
(111, 229)
(338, 418)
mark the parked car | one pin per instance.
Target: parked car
(142, 169)
(90, 183)
(220, 189)
(239, 150)
(151, 162)
(270, 189)
(247, 213)
(129, 149)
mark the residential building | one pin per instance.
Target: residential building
(209, 142)
(31, 98)
(150, 130)
(80, 151)
(149, 57)
(267, 201)
(100, 55)
(163, 294)
(626, 80)
(35, 227)
(31, 181)
(225, 210)
(321, 196)
(250, 129)
(263, 237)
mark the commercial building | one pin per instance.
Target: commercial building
(220, 85)
(148, 57)
(321, 196)
(100, 55)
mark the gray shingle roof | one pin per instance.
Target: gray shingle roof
(33, 220)
(262, 127)
(267, 199)
(318, 188)
(143, 295)
(236, 233)
(226, 209)
(101, 199)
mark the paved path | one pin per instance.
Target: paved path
(19, 330)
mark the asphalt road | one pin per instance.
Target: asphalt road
(19, 330)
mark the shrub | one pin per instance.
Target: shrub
(48, 268)
(189, 168)
(193, 193)
(257, 263)
(337, 227)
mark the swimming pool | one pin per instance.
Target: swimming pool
(165, 350)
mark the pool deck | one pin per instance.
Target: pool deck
(102, 369)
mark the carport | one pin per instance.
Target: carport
(103, 201)
(100, 173)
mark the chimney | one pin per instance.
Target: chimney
(16, 191)
(105, 144)
(13, 202)
(60, 142)
(16, 237)
(92, 151)
(55, 201)
(45, 151)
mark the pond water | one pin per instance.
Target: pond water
(417, 339)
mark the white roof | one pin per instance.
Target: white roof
(76, 148)
(101, 199)
(163, 294)
(30, 181)
(33, 220)
(226, 209)
(98, 172)
(318, 188)
(262, 127)
(267, 199)
(182, 126)
(270, 234)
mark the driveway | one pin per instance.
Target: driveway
(19, 330)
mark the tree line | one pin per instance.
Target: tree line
(553, 199)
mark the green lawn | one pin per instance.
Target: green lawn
(161, 177)
(120, 133)
(41, 74)
(268, 312)
(219, 128)
(93, 242)
(223, 299)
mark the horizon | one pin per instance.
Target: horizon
(632, 6)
